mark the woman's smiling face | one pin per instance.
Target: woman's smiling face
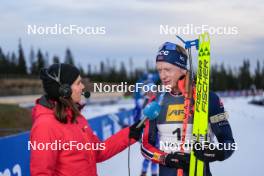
(77, 89)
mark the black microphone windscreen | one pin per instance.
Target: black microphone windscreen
(86, 94)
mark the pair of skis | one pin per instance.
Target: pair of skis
(201, 108)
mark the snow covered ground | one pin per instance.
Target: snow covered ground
(247, 125)
(95, 110)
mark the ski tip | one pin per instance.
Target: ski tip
(205, 37)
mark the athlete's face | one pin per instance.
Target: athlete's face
(77, 88)
(169, 74)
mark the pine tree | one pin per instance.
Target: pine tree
(22, 68)
(46, 59)
(68, 57)
(3, 62)
(33, 62)
(262, 75)
(89, 70)
(9, 69)
(102, 68)
(257, 77)
(213, 77)
(244, 78)
(82, 73)
(131, 65)
(231, 80)
(40, 61)
(56, 60)
(122, 72)
(13, 63)
(222, 78)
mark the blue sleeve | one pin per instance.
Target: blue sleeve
(219, 124)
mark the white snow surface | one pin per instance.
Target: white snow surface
(95, 110)
(247, 125)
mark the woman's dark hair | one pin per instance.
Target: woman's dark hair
(54, 79)
(62, 106)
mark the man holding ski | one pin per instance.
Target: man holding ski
(173, 125)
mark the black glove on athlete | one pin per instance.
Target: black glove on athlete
(204, 153)
(135, 132)
(177, 160)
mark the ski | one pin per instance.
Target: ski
(200, 124)
(188, 94)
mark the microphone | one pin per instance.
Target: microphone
(151, 111)
(86, 94)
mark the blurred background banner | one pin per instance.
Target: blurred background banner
(14, 155)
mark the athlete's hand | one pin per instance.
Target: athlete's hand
(177, 160)
(204, 153)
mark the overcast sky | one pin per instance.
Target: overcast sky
(132, 28)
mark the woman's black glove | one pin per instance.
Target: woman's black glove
(204, 153)
(135, 132)
(177, 160)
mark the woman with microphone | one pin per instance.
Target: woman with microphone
(61, 140)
